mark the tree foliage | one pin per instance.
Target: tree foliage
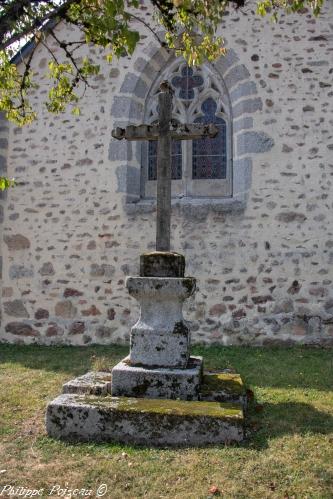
(190, 30)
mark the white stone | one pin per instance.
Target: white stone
(160, 337)
(167, 383)
(80, 418)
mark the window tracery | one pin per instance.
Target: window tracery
(199, 97)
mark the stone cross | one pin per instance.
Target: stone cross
(164, 132)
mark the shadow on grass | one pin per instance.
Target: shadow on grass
(274, 367)
(286, 418)
(63, 359)
(298, 367)
(294, 367)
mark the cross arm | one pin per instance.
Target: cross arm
(178, 132)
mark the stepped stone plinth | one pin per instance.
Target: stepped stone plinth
(158, 394)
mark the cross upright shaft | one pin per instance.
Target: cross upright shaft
(163, 217)
(164, 133)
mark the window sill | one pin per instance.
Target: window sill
(194, 206)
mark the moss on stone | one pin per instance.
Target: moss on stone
(181, 329)
(222, 382)
(101, 378)
(162, 264)
(168, 407)
(189, 283)
(164, 254)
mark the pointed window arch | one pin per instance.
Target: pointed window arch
(200, 168)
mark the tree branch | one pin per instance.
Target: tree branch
(58, 13)
(136, 18)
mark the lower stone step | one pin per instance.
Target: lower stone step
(153, 422)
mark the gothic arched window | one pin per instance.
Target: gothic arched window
(202, 167)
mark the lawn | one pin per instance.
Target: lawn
(288, 452)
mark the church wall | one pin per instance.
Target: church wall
(71, 232)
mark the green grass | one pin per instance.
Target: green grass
(288, 452)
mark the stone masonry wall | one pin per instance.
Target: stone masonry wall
(70, 234)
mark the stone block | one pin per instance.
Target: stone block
(225, 62)
(130, 381)
(120, 151)
(160, 347)
(21, 329)
(160, 337)
(126, 108)
(242, 170)
(235, 75)
(92, 383)
(41, 313)
(223, 387)
(134, 85)
(254, 142)
(20, 272)
(47, 269)
(15, 308)
(247, 106)
(65, 309)
(243, 90)
(153, 422)
(143, 66)
(3, 164)
(128, 179)
(162, 264)
(243, 123)
(16, 242)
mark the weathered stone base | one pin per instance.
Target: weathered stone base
(157, 383)
(84, 418)
(215, 386)
(223, 387)
(169, 348)
(92, 383)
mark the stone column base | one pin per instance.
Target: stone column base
(158, 382)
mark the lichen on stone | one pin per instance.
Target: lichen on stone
(168, 407)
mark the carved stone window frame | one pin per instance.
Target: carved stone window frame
(186, 111)
(128, 107)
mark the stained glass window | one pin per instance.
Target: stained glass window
(176, 162)
(205, 158)
(185, 83)
(209, 156)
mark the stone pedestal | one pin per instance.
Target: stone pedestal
(157, 382)
(159, 394)
(160, 337)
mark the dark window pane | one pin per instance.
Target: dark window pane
(210, 155)
(176, 160)
(185, 83)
